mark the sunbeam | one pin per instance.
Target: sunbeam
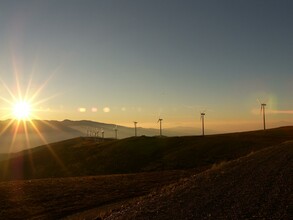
(22, 106)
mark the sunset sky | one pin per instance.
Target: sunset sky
(119, 61)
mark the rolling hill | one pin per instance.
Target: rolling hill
(16, 136)
(85, 156)
(257, 185)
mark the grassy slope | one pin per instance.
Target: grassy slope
(59, 197)
(83, 156)
(257, 186)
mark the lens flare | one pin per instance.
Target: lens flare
(19, 108)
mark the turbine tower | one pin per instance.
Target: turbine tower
(102, 131)
(135, 130)
(160, 120)
(97, 134)
(202, 114)
(262, 110)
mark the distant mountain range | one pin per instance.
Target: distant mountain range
(16, 137)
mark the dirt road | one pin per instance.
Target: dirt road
(258, 186)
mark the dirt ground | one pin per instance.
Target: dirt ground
(61, 197)
(258, 186)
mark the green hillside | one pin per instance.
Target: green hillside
(84, 156)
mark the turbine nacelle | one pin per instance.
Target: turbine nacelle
(202, 114)
(262, 110)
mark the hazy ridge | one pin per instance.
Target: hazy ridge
(44, 132)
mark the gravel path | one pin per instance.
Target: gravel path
(258, 186)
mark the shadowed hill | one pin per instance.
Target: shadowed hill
(257, 186)
(84, 156)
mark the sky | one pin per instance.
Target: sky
(119, 61)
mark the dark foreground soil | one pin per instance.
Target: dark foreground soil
(61, 197)
(258, 186)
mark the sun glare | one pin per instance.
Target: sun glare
(22, 110)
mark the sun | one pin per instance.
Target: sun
(22, 110)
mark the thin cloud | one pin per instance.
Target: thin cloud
(269, 111)
(289, 112)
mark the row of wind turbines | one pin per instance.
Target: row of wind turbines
(202, 116)
(95, 132)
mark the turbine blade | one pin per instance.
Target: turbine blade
(261, 109)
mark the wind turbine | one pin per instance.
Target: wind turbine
(263, 111)
(202, 114)
(97, 134)
(135, 130)
(160, 120)
(116, 130)
(102, 131)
